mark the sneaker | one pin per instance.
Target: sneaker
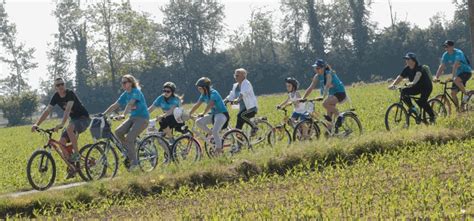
(328, 118)
(71, 173)
(171, 141)
(254, 131)
(465, 98)
(75, 157)
(339, 121)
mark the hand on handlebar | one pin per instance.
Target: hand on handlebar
(34, 128)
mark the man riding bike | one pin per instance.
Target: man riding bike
(420, 83)
(330, 87)
(79, 119)
(242, 93)
(461, 70)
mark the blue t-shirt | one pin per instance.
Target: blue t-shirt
(139, 109)
(337, 85)
(458, 55)
(219, 106)
(166, 105)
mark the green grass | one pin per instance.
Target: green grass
(422, 181)
(369, 100)
(18, 143)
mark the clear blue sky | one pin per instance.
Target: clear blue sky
(36, 25)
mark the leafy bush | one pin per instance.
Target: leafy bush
(18, 109)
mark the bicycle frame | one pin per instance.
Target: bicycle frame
(56, 145)
(447, 96)
(414, 98)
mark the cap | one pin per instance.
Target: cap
(319, 63)
(410, 55)
(448, 43)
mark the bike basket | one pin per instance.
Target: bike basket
(309, 106)
(100, 128)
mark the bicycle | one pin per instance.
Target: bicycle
(233, 141)
(47, 163)
(402, 116)
(263, 132)
(104, 151)
(447, 99)
(281, 132)
(311, 126)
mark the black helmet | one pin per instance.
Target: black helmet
(170, 85)
(293, 81)
(203, 82)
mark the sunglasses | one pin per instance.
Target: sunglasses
(59, 85)
(318, 68)
(124, 82)
(166, 91)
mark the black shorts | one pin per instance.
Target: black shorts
(170, 122)
(340, 96)
(465, 76)
(80, 125)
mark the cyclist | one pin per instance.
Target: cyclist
(79, 119)
(168, 101)
(134, 102)
(218, 117)
(420, 83)
(242, 93)
(461, 70)
(330, 87)
(294, 96)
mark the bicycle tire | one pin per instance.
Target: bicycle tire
(353, 116)
(43, 154)
(313, 132)
(178, 157)
(280, 134)
(151, 152)
(92, 161)
(403, 113)
(438, 107)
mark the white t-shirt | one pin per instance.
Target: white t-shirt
(300, 107)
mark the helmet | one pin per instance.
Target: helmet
(203, 82)
(293, 81)
(319, 63)
(170, 85)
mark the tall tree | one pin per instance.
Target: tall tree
(360, 30)
(18, 57)
(72, 29)
(471, 22)
(316, 38)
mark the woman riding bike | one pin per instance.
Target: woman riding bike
(135, 104)
(218, 117)
(330, 87)
(242, 93)
(293, 98)
(420, 83)
(167, 102)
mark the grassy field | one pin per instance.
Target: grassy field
(370, 101)
(423, 181)
(18, 143)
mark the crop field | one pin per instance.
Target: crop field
(423, 180)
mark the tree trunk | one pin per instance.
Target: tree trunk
(471, 24)
(316, 36)
(108, 34)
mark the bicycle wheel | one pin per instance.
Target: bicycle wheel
(306, 130)
(261, 135)
(147, 152)
(99, 159)
(280, 135)
(438, 108)
(350, 126)
(186, 149)
(235, 141)
(81, 164)
(396, 117)
(41, 170)
(446, 103)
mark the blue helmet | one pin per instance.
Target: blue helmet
(319, 63)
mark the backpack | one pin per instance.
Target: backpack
(427, 71)
(100, 128)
